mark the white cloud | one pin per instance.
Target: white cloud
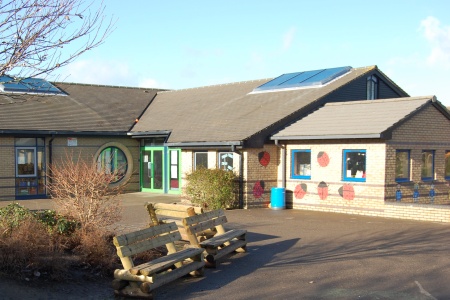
(438, 36)
(288, 38)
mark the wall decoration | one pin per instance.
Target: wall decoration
(300, 191)
(398, 194)
(258, 189)
(322, 190)
(416, 193)
(323, 159)
(264, 158)
(432, 193)
(347, 191)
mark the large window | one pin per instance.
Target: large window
(354, 165)
(427, 165)
(200, 160)
(402, 165)
(112, 160)
(226, 160)
(301, 164)
(30, 167)
(372, 87)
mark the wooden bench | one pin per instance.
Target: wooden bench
(141, 280)
(161, 213)
(221, 244)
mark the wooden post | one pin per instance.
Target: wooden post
(151, 212)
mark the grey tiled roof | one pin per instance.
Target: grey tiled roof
(229, 112)
(354, 119)
(86, 108)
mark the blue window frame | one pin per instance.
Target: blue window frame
(402, 165)
(427, 172)
(372, 87)
(354, 165)
(301, 164)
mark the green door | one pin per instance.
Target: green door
(152, 173)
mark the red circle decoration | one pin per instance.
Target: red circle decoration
(264, 158)
(348, 192)
(258, 189)
(300, 191)
(322, 190)
(323, 159)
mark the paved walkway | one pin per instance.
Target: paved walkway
(295, 254)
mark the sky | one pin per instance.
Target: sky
(188, 44)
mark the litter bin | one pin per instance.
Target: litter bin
(278, 198)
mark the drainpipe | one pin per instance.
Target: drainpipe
(283, 163)
(241, 176)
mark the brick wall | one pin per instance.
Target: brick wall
(86, 148)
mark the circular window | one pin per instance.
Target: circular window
(114, 158)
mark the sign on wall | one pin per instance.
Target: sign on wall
(72, 142)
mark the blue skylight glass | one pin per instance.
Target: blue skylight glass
(27, 85)
(303, 79)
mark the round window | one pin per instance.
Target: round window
(112, 160)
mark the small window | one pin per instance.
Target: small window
(226, 160)
(301, 164)
(427, 165)
(26, 161)
(402, 165)
(354, 165)
(200, 160)
(372, 87)
(447, 165)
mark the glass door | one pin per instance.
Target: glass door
(152, 172)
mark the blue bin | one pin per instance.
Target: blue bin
(278, 198)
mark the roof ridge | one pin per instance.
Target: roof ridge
(105, 85)
(375, 101)
(215, 85)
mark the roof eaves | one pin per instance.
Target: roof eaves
(328, 137)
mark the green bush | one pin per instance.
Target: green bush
(12, 215)
(212, 188)
(56, 222)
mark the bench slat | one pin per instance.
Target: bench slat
(143, 234)
(203, 217)
(207, 224)
(220, 239)
(234, 244)
(164, 262)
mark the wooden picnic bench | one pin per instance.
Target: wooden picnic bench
(142, 279)
(161, 213)
(221, 244)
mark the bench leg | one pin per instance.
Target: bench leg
(133, 291)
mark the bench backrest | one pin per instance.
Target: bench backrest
(202, 222)
(142, 240)
(158, 211)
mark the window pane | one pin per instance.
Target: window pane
(226, 160)
(112, 160)
(355, 165)
(26, 165)
(427, 164)
(302, 163)
(402, 165)
(201, 160)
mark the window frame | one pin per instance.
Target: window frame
(433, 152)
(293, 164)
(34, 149)
(195, 159)
(408, 177)
(372, 87)
(129, 161)
(344, 165)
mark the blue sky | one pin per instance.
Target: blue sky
(186, 44)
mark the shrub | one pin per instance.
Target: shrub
(82, 192)
(56, 222)
(11, 216)
(212, 188)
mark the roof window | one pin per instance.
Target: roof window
(28, 86)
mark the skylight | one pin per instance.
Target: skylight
(303, 79)
(28, 86)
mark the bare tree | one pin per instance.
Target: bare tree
(34, 33)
